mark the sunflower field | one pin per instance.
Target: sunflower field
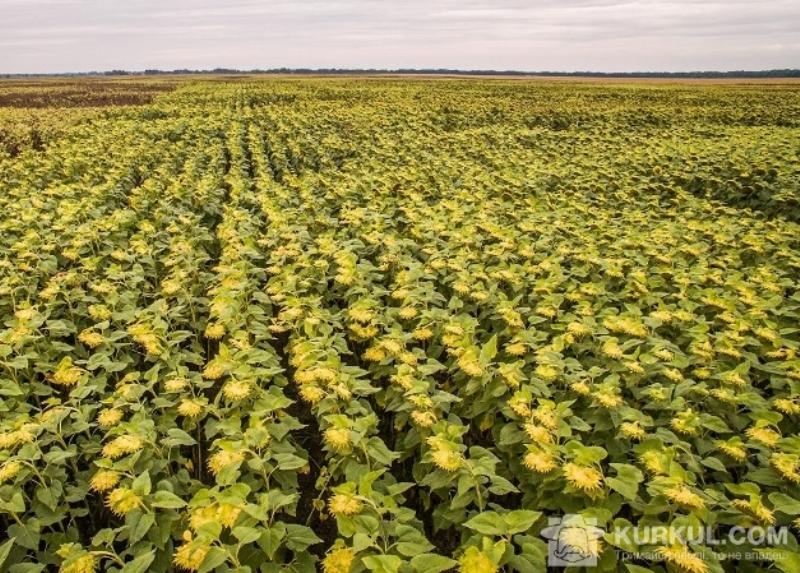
(267, 325)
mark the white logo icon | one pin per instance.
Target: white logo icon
(573, 541)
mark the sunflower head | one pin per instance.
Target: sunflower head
(104, 480)
(345, 504)
(190, 555)
(587, 479)
(338, 560)
(123, 500)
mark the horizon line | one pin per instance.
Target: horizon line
(772, 72)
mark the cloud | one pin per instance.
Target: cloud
(601, 35)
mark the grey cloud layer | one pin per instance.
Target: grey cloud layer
(606, 35)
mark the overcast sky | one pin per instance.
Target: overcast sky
(568, 35)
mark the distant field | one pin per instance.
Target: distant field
(394, 324)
